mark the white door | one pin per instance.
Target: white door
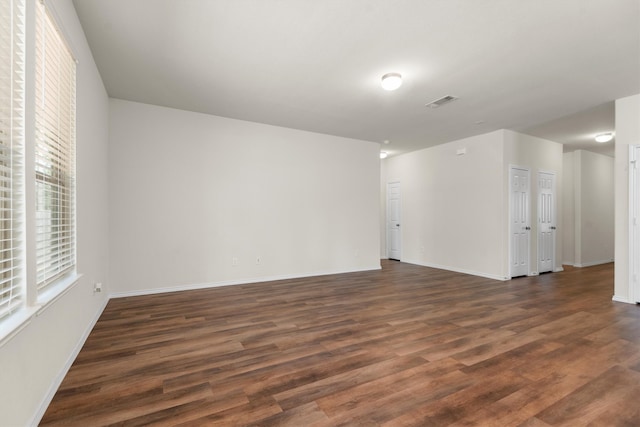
(393, 220)
(520, 225)
(546, 221)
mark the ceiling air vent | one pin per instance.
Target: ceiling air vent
(441, 101)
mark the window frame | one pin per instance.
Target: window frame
(34, 302)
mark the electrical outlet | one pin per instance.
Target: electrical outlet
(97, 287)
(234, 261)
(258, 260)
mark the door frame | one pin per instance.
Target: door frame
(510, 248)
(555, 220)
(634, 226)
(386, 225)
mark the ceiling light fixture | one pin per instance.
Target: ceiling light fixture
(391, 81)
(604, 137)
(383, 154)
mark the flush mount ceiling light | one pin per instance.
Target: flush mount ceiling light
(383, 154)
(604, 137)
(391, 81)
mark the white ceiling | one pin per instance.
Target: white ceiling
(577, 131)
(316, 64)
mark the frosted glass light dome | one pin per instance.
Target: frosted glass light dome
(604, 137)
(391, 81)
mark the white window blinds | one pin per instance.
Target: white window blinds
(11, 153)
(55, 152)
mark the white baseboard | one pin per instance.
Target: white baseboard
(231, 283)
(457, 270)
(591, 264)
(42, 408)
(617, 298)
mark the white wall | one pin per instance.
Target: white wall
(538, 155)
(453, 206)
(36, 359)
(627, 133)
(189, 192)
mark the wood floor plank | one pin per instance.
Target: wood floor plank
(596, 398)
(340, 381)
(423, 390)
(515, 408)
(302, 415)
(455, 406)
(363, 394)
(495, 347)
(406, 345)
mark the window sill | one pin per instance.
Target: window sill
(12, 326)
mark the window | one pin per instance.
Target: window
(54, 153)
(11, 154)
(42, 126)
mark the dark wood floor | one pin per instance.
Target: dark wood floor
(405, 346)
